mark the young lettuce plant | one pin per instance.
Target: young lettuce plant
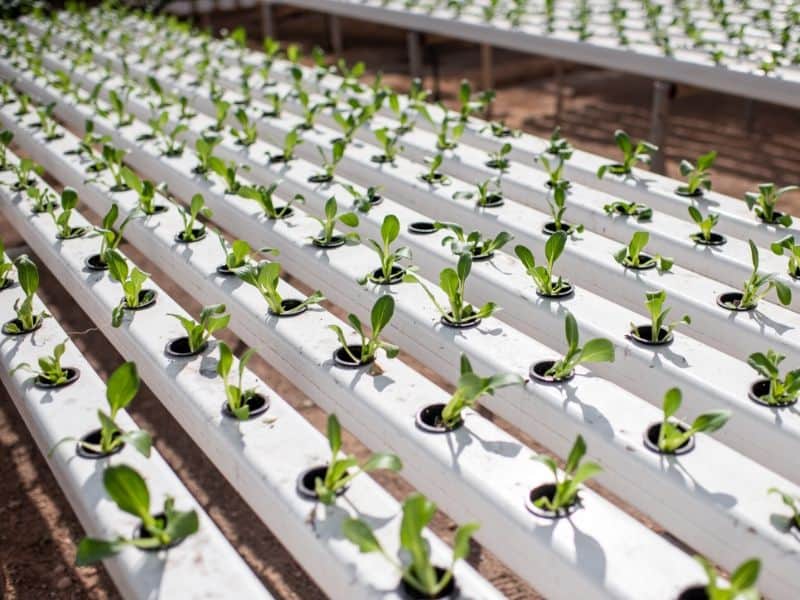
(192, 233)
(43, 199)
(68, 202)
(487, 194)
(27, 319)
(47, 124)
(792, 502)
(633, 257)
(247, 133)
(559, 146)
(112, 158)
(212, 319)
(24, 170)
(470, 104)
(756, 288)
(221, 109)
(546, 284)
(417, 573)
(290, 141)
(557, 201)
(129, 492)
(237, 253)
(326, 238)
(390, 142)
(389, 272)
(672, 435)
(594, 351)
(50, 372)
(742, 584)
(453, 283)
(499, 159)
(698, 176)
(228, 171)
(555, 172)
(658, 331)
(265, 277)
(642, 212)
(145, 192)
(774, 390)
(792, 250)
(631, 154)
(472, 243)
(469, 389)
(763, 203)
(238, 399)
(340, 471)
(564, 492)
(5, 142)
(329, 165)
(204, 149)
(364, 353)
(705, 235)
(433, 175)
(263, 197)
(6, 266)
(134, 296)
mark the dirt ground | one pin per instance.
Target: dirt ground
(38, 531)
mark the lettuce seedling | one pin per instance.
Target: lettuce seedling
(642, 152)
(111, 233)
(758, 285)
(706, 224)
(698, 176)
(433, 175)
(123, 118)
(763, 203)
(212, 319)
(265, 277)
(660, 330)
(390, 230)
(390, 142)
(339, 472)
(792, 250)
(328, 224)
(68, 202)
(121, 389)
(263, 197)
(557, 201)
(329, 164)
(290, 141)
(790, 501)
(26, 318)
(415, 567)
(50, 370)
(470, 388)
(43, 199)
(672, 436)
(129, 492)
(145, 192)
(382, 312)
(559, 146)
(5, 142)
(131, 281)
(165, 99)
(185, 113)
(204, 149)
(6, 266)
(742, 584)
(472, 243)
(47, 124)
(470, 104)
(453, 283)
(633, 257)
(499, 159)
(112, 159)
(197, 208)
(594, 351)
(237, 253)
(236, 396)
(781, 390)
(542, 275)
(555, 172)
(575, 473)
(171, 146)
(221, 109)
(228, 171)
(247, 134)
(24, 170)
(487, 193)
(24, 102)
(447, 137)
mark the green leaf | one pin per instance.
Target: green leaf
(382, 313)
(361, 535)
(390, 229)
(181, 524)
(334, 434)
(461, 540)
(139, 439)
(122, 386)
(746, 574)
(672, 402)
(571, 330)
(575, 454)
(382, 460)
(128, 490)
(712, 421)
(91, 550)
(597, 350)
(27, 274)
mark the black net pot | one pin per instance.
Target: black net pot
(492, 201)
(336, 241)
(448, 592)
(224, 271)
(37, 323)
(74, 233)
(277, 158)
(122, 187)
(422, 227)
(306, 482)
(142, 533)
(342, 359)
(642, 334)
(282, 212)
(147, 298)
(320, 178)
(7, 283)
(198, 233)
(776, 216)
(157, 210)
(46, 207)
(715, 239)
(380, 159)
(257, 404)
(73, 374)
(482, 256)
(179, 348)
(549, 184)
(682, 191)
(497, 164)
(795, 274)
(429, 419)
(538, 373)
(94, 437)
(395, 277)
(618, 169)
(550, 228)
(95, 263)
(548, 490)
(567, 290)
(696, 592)
(650, 439)
(435, 179)
(759, 389)
(290, 307)
(732, 301)
(468, 323)
(646, 262)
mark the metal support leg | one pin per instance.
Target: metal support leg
(267, 19)
(414, 41)
(658, 123)
(559, 93)
(487, 74)
(335, 30)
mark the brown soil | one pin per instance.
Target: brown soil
(39, 531)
